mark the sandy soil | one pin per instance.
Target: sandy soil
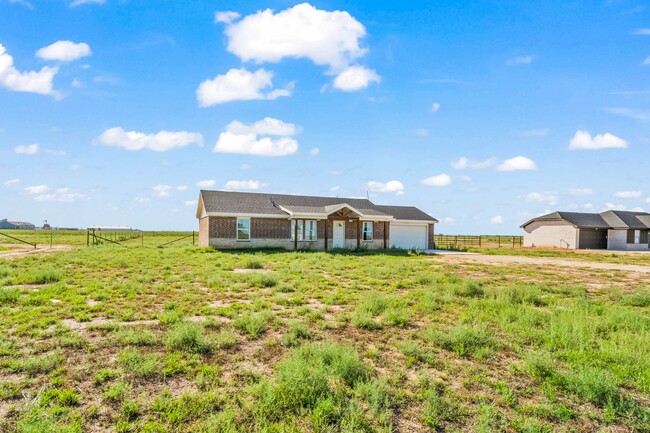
(552, 261)
(26, 250)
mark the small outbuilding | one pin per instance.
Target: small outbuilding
(16, 225)
(610, 230)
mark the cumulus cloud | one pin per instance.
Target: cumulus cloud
(37, 189)
(258, 138)
(314, 151)
(448, 220)
(30, 149)
(442, 179)
(331, 39)
(497, 219)
(142, 200)
(162, 190)
(239, 85)
(206, 183)
(581, 192)
(190, 202)
(517, 163)
(64, 51)
(337, 188)
(584, 141)
(628, 194)
(549, 197)
(30, 81)
(11, 182)
(181, 188)
(62, 195)
(391, 186)
(159, 142)
(355, 78)
(435, 107)
(463, 162)
(244, 185)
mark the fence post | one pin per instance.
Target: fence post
(513, 242)
(142, 238)
(87, 238)
(192, 237)
(499, 240)
(479, 241)
(51, 234)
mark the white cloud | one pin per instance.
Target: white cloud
(391, 186)
(142, 200)
(62, 195)
(314, 151)
(244, 167)
(464, 178)
(64, 51)
(37, 189)
(628, 194)
(255, 139)
(76, 3)
(11, 182)
(190, 202)
(549, 197)
(442, 179)
(30, 149)
(435, 107)
(540, 132)
(160, 142)
(497, 219)
(162, 190)
(30, 81)
(584, 140)
(448, 220)
(206, 183)
(637, 209)
(25, 3)
(464, 162)
(181, 188)
(643, 32)
(226, 17)
(588, 206)
(326, 38)
(581, 192)
(244, 184)
(522, 60)
(337, 188)
(56, 152)
(517, 163)
(612, 206)
(646, 61)
(239, 85)
(355, 78)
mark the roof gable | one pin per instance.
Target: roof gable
(606, 220)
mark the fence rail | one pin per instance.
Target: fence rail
(479, 241)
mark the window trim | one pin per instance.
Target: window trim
(237, 229)
(364, 231)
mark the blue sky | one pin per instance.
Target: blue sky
(483, 114)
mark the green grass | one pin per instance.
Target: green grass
(141, 338)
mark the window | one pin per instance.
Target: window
(310, 230)
(243, 229)
(306, 230)
(366, 234)
(637, 236)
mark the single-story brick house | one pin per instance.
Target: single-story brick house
(611, 230)
(16, 225)
(259, 220)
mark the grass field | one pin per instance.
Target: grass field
(130, 339)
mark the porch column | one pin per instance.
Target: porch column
(326, 234)
(358, 233)
(295, 235)
(385, 236)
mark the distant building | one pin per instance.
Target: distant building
(111, 228)
(16, 225)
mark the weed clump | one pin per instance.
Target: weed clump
(9, 295)
(463, 340)
(252, 324)
(188, 337)
(253, 264)
(377, 310)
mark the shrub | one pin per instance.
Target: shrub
(252, 324)
(44, 276)
(9, 295)
(188, 337)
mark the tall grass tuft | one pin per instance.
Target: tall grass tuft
(188, 337)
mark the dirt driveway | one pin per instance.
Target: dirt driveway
(26, 250)
(552, 261)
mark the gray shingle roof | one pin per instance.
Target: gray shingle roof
(269, 204)
(604, 220)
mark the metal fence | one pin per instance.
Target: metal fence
(479, 241)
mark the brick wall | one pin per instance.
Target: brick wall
(223, 227)
(267, 228)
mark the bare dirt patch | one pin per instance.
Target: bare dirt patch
(254, 271)
(26, 250)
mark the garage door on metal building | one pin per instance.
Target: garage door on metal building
(592, 239)
(408, 236)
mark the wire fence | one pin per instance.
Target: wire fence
(130, 238)
(479, 241)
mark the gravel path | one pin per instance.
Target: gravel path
(505, 260)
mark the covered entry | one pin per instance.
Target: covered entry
(592, 239)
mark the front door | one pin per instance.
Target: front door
(338, 237)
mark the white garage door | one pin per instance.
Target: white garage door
(408, 236)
